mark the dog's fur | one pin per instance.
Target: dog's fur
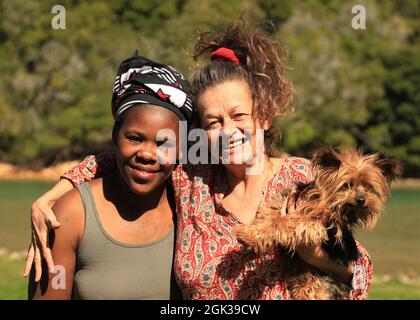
(349, 191)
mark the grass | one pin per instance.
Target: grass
(12, 283)
(16, 198)
(394, 289)
(393, 245)
(395, 241)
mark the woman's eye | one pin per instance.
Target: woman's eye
(213, 124)
(166, 142)
(135, 138)
(239, 115)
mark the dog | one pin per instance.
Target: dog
(349, 191)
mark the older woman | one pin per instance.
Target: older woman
(237, 95)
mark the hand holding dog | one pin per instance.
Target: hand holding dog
(319, 258)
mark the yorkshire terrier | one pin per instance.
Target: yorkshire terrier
(349, 191)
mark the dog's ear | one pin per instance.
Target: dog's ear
(327, 158)
(390, 168)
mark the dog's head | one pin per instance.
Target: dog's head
(354, 186)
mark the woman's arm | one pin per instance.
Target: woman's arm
(357, 275)
(92, 167)
(43, 217)
(63, 242)
(319, 258)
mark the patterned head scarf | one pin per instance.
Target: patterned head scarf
(143, 81)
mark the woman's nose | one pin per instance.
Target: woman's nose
(229, 128)
(228, 124)
(147, 154)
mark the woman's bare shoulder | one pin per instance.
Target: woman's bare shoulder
(70, 212)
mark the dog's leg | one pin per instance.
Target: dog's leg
(310, 232)
(261, 233)
(289, 232)
(295, 230)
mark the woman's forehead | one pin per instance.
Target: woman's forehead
(227, 96)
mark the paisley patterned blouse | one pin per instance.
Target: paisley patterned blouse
(209, 261)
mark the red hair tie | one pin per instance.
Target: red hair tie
(224, 54)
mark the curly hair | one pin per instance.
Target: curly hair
(262, 65)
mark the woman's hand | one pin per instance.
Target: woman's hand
(319, 258)
(43, 219)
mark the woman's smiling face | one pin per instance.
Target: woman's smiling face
(227, 109)
(138, 151)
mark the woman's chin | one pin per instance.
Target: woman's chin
(246, 160)
(241, 155)
(141, 187)
(141, 190)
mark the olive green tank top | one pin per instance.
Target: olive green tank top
(109, 269)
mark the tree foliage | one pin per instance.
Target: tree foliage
(357, 88)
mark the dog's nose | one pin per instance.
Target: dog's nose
(360, 199)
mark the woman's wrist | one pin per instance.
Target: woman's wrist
(60, 188)
(336, 269)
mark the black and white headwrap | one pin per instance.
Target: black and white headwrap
(143, 81)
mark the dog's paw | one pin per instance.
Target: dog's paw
(251, 238)
(244, 235)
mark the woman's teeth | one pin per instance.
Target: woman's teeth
(235, 143)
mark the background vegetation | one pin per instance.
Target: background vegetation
(354, 87)
(357, 88)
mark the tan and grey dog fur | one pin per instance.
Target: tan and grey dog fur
(349, 190)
